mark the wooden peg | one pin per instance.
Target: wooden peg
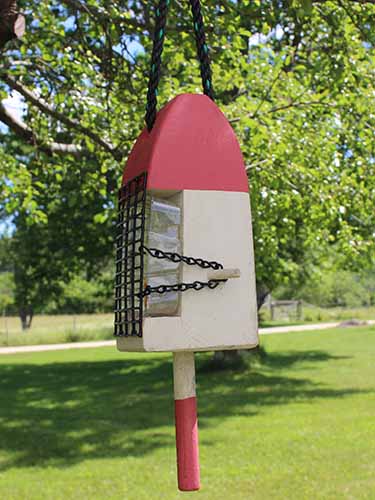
(223, 274)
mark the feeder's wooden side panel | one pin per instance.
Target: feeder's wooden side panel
(216, 226)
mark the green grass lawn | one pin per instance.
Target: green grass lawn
(50, 329)
(97, 424)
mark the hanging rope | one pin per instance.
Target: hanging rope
(202, 48)
(157, 50)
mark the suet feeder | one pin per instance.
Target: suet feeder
(185, 278)
(185, 193)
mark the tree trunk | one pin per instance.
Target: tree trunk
(12, 23)
(227, 359)
(262, 294)
(26, 316)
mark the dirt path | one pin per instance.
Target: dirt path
(112, 343)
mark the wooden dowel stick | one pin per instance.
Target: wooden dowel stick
(186, 421)
(223, 274)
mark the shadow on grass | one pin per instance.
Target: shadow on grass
(291, 358)
(62, 413)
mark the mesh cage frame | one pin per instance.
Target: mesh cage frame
(129, 277)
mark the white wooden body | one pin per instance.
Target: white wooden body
(216, 226)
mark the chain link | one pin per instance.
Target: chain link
(180, 287)
(175, 257)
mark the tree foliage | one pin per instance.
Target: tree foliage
(331, 285)
(294, 77)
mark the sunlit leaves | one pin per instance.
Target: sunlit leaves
(296, 78)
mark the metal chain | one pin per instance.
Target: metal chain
(180, 287)
(159, 35)
(175, 257)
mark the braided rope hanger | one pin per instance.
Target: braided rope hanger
(157, 50)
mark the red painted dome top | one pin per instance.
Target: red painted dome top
(191, 146)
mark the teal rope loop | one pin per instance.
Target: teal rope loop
(157, 50)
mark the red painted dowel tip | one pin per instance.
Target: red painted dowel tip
(187, 444)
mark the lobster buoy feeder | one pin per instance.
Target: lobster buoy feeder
(185, 278)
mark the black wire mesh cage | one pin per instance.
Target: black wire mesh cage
(148, 258)
(130, 235)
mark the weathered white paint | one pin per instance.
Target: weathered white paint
(216, 226)
(183, 375)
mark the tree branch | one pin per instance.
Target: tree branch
(362, 2)
(28, 136)
(300, 104)
(46, 108)
(355, 22)
(293, 104)
(103, 17)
